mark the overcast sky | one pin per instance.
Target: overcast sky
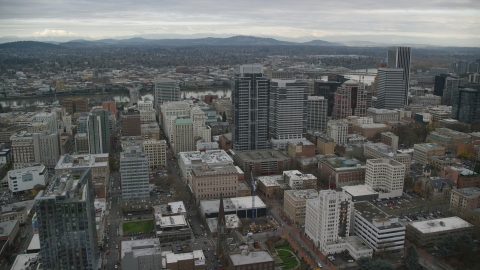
(453, 19)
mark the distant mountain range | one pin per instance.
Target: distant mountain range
(181, 41)
(31, 45)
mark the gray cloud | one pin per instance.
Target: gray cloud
(422, 18)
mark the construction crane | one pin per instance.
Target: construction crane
(254, 184)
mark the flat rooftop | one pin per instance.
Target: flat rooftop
(242, 186)
(22, 261)
(209, 157)
(359, 190)
(231, 222)
(357, 243)
(265, 155)
(207, 170)
(34, 243)
(87, 160)
(441, 224)
(229, 204)
(271, 180)
(250, 257)
(469, 191)
(341, 162)
(428, 146)
(143, 247)
(303, 194)
(297, 175)
(463, 171)
(7, 227)
(376, 216)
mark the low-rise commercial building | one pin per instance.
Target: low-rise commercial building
(463, 200)
(298, 180)
(259, 259)
(383, 115)
(271, 186)
(370, 130)
(211, 157)
(461, 177)
(194, 260)
(171, 228)
(21, 211)
(8, 232)
(240, 206)
(422, 151)
(381, 150)
(325, 145)
(156, 151)
(266, 161)
(243, 189)
(300, 149)
(150, 131)
(294, 203)
(377, 229)
(209, 181)
(141, 254)
(448, 138)
(389, 139)
(426, 234)
(342, 171)
(26, 179)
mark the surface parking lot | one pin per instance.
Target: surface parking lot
(412, 207)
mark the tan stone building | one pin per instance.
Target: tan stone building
(294, 203)
(156, 151)
(271, 186)
(75, 105)
(370, 130)
(243, 189)
(150, 131)
(209, 181)
(301, 149)
(464, 199)
(422, 151)
(325, 145)
(81, 143)
(448, 138)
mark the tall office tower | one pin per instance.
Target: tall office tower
(184, 137)
(198, 118)
(450, 91)
(74, 105)
(466, 105)
(166, 90)
(350, 99)
(317, 108)
(66, 222)
(327, 219)
(48, 117)
(111, 107)
(82, 123)
(439, 84)
(134, 173)
(131, 124)
(338, 131)
(385, 176)
(391, 87)
(169, 112)
(250, 114)
(327, 90)
(98, 132)
(35, 148)
(399, 57)
(288, 109)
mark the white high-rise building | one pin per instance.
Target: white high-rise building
(49, 117)
(145, 105)
(288, 109)
(170, 112)
(385, 176)
(206, 133)
(327, 220)
(400, 57)
(338, 131)
(391, 89)
(166, 90)
(134, 173)
(317, 108)
(250, 113)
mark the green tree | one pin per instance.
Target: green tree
(411, 260)
(368, 264)
(464, 247)
(446, 245)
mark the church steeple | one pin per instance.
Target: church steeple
(221, 230)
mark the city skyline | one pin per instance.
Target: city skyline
(421, 22)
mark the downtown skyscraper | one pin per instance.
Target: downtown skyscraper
(251, 105)
(400, 57)
(391, 89)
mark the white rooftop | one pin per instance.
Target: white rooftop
(302, 194)
(87, 160)
(296, 175)
(143, 247)
(208, 156)
(250, 257)
(171, 221)
(432, 226)
(270, 180)
(238, 203)
(22, 261)
(359, 190)
(35, 242)
(177, 207)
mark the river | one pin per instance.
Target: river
(199, 94)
